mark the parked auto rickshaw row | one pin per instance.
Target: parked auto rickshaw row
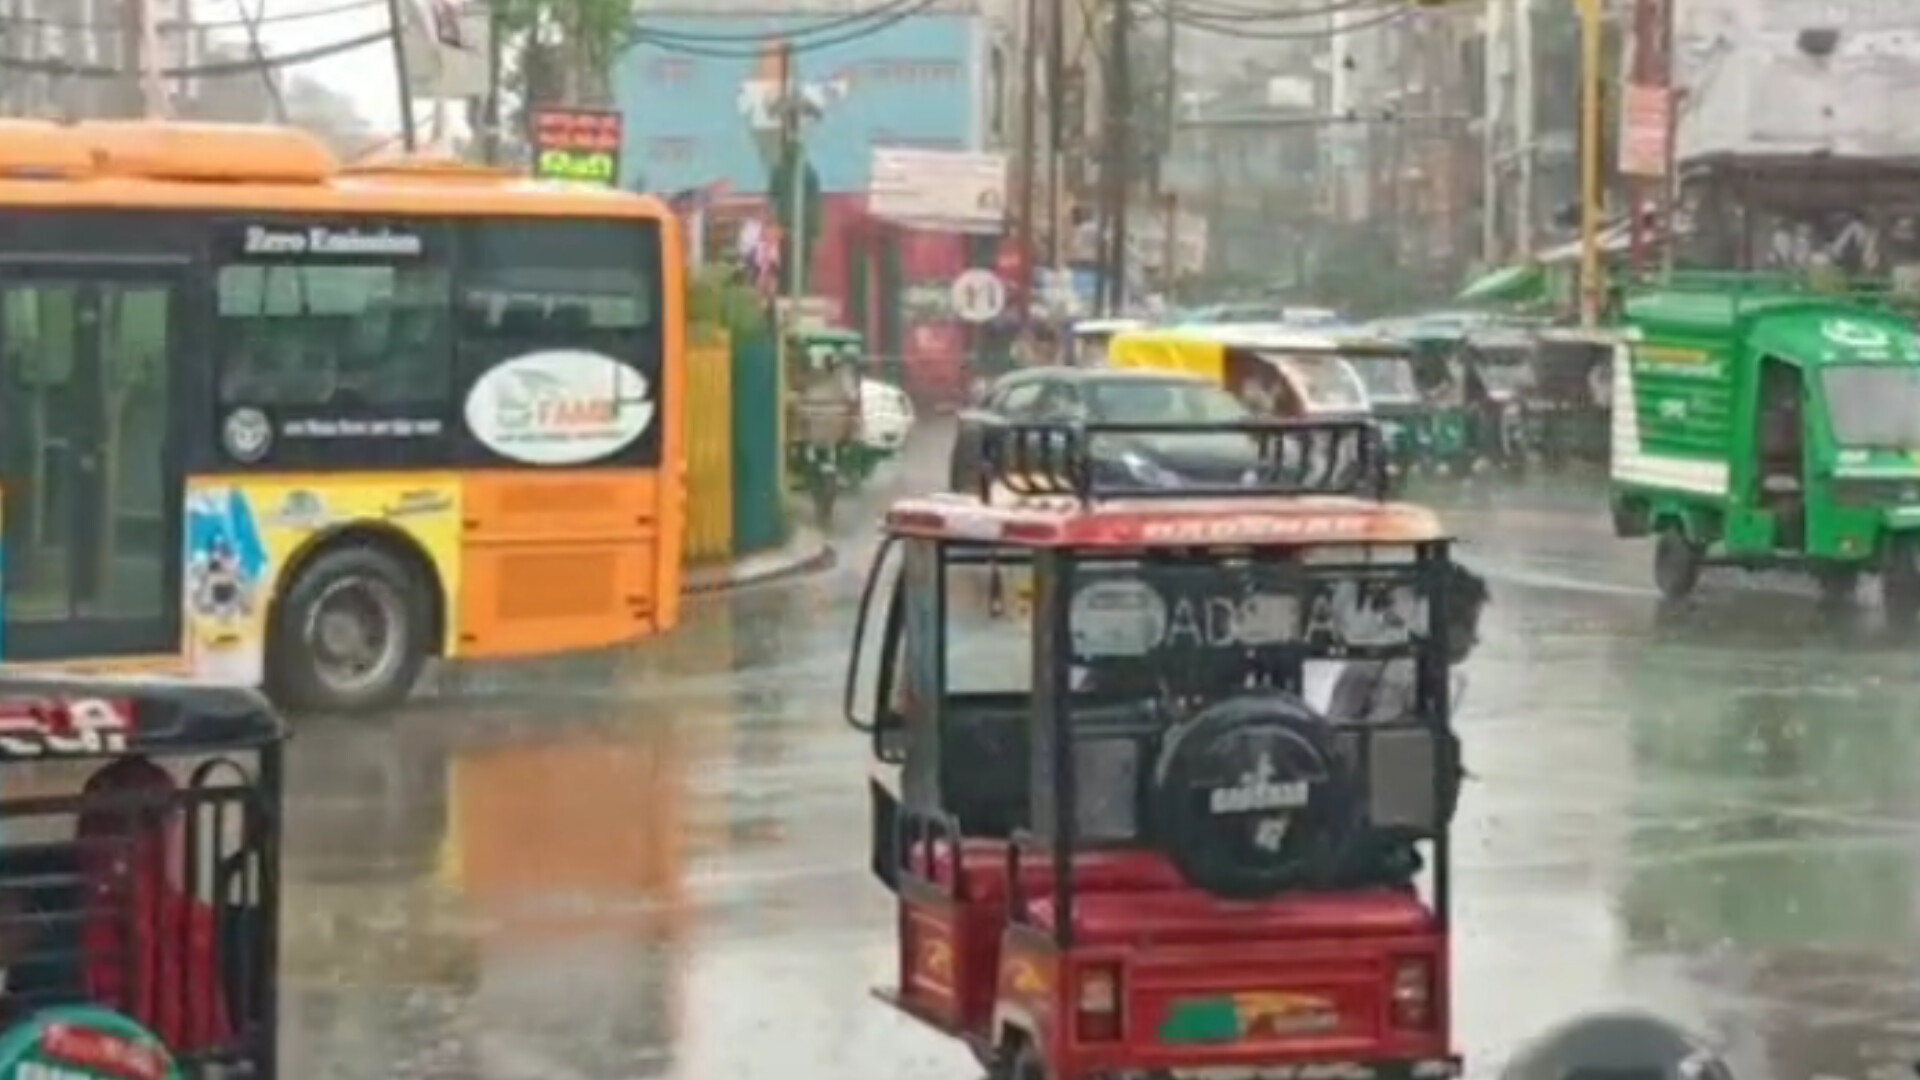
(1452, 397)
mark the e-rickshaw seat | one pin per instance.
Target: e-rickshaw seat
(985, 773)
(1188, 915)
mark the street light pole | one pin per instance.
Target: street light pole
(1592, 58)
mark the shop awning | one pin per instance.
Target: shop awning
(1614, 238)
(1521, 284)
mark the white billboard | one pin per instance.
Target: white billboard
(947, 190)
(447, 48)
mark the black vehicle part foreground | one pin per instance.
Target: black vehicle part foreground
(1615, 1046)
(154, 890)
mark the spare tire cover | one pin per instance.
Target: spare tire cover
(1249, 797)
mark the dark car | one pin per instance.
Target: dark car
(1108, 395)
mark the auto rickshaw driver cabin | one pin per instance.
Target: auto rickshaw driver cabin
(1770, 430)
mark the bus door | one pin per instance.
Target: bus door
(90, 479)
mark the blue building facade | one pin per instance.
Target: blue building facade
(698, 120)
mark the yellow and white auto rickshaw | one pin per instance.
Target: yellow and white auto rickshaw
(1278, 370)
(1089, 339)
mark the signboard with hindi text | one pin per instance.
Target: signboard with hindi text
(582, 145)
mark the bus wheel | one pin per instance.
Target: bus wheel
(350, 634)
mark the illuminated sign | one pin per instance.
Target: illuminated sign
(576, 144)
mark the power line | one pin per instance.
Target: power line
(347, 7)
(231, 67)
(1245, 30)
(1222, 11)
(812, 28)
(912, 7)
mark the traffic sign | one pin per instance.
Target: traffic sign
(978, 295)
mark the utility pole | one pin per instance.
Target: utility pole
(396, 19)
(1493, 89)
(1056, 133)
(1029, 154)
(1652, 66)
(134, 26)
(1164, 145)
(490, 110)
(793, 155)
(1524, 122)
(1114, 176)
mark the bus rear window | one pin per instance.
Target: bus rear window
(529, 278)
(333, 335)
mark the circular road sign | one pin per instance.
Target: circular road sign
(978, 295)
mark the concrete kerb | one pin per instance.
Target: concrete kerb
(806, 552)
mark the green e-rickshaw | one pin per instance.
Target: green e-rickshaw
(1768, 429)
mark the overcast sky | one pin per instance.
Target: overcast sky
(365, 75)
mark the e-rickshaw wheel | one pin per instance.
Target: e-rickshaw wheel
(1676, 562)
(1838, 583)
(825, 490)
(350, 634)
(1017, 1060)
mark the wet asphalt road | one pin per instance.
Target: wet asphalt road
(652, 864)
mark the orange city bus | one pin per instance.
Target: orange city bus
(278, 422)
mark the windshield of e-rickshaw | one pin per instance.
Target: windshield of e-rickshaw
(1387, 378)
(1190, 626)
(1874, 406)
(1325, 380)
(1504, 369)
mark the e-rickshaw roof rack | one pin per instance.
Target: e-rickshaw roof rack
(1742, 288)
(83, 716)
(1294, 458)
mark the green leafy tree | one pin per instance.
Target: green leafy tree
(563, 50)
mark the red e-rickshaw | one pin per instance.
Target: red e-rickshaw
(139, 878)
(1145, 855)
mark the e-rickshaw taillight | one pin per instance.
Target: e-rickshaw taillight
(1096, 1015)
(1413, 993)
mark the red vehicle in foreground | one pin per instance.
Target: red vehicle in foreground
(1142, 854)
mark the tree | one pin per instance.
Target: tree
(565, 48)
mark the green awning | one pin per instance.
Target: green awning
(1522, 284)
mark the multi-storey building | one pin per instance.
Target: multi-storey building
(74, 55)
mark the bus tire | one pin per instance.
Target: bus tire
(353, 599)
